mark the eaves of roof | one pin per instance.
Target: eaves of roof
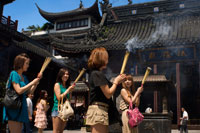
(143, 33)
(11, 32)
(23, 41)
(53, 17)
(151, 78)
(33, 48)
(4, 2)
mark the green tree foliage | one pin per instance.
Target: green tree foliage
(44, 27)
(34, 28)
(47, 26)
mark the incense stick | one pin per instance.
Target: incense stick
(146, 74)
(125, 61)
(80, 74)
(45, 64)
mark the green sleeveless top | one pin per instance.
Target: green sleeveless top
(55, 104)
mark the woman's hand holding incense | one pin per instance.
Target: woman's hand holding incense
(39, 75)
(119, 79)
(140, 90)
(36, 81)
(71, 88)
(137, 94)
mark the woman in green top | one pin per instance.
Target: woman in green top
(62, 88)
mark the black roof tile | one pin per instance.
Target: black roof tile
(169, 27)
(24, 41)
(53, 17)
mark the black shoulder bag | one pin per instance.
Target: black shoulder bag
(12, 100)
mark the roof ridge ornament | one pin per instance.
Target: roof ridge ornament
(105, 5)
(81, 4)
(130, 2)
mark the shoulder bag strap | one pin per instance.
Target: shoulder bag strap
(130, 104)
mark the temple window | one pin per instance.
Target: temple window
(72, 24)
(181, 6)
(69, 25)
(156, 9)
(86, 22)
(182, 53)
(78, 24)
(166, 54)
(82, 23)
(58, 26)
(62, 26)
(134, 12)
(152, 55)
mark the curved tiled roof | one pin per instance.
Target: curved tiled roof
(171, 25)
(81, 87)
(4, 2)
(164, 30)
(52, 17)
(149, 9)
(150, 78)
(6, 30)
(33, 48)
(23, 41)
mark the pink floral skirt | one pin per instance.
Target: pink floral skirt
(41, 120)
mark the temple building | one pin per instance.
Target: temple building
(163, 35)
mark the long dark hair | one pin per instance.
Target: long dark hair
(42, 95)
(60, 74)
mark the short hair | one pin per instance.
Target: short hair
(129, 77)
(97, 58)
(19, 61)
(60, 75)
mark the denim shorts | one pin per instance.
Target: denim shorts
(54, 113)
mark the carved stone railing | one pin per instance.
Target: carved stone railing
(9, 22)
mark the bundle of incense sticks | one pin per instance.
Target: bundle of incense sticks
(80, 74)
(45, 64)
(146, 74)
(125, 62)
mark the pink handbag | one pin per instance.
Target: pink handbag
(134, 116)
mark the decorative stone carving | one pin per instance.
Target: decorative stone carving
(105, 5)
(81, 4)
(149, 126)
(156, 123)
(97, 34)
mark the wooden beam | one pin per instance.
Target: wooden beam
(155, 92)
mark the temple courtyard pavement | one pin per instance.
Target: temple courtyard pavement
(83, 130)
